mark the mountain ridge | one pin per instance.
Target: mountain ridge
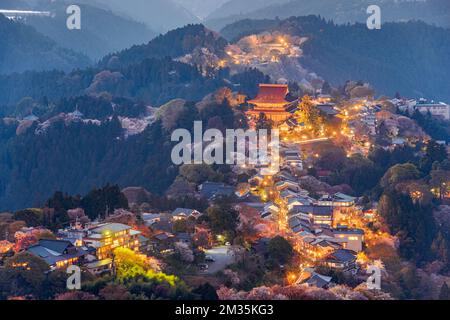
(22, 48)
(411, 60)
(435, 12)
(102, 31)
(159, 15)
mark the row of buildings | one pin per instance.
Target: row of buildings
(436, 109)
(91, 246)
(314, 220)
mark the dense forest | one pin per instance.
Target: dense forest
(75, 157)
(153, 81)
(145, 72)
(173, 44)
(60, 152)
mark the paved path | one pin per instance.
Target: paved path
(223, 257)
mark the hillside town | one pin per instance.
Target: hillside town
(304, 230)
(114, 183)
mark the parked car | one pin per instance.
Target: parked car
(209, 259)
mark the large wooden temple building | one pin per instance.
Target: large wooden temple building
(271, 101)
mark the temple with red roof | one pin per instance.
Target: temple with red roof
(271, 100)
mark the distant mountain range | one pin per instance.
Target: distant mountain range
(158, 15)
(435, 12)
(174, 44)
(22, 48)
(102, 31)
(201, 8)
(239, 7)
(146, 73)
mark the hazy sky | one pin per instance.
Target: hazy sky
(201, 8)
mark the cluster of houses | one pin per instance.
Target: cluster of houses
(314, 220)
(290, 157)
(321, 237)
(164, 237)
(92, 246)
(372, 119)
(437, 110)
(89, 246)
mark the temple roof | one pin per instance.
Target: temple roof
(271, 93)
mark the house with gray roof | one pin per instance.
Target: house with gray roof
(213, 190)
(343, 260)
(58, 253)
(185, 213)
(320, 215)
(318, 280)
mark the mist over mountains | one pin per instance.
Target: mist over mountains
(201, 8)
(158, 15)
(236, 7)
(435, 12)
(102, 31)
(22, 48)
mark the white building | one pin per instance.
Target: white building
(337, 200)
(351, 239)
(440, 110)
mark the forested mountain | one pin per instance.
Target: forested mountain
(69, 133)
(174, 44)
(143, 72)
(411, 58)
(23, 48)
(235, 31)
(102, 31)
(65, 149)
(64, 131)
(75, 157)
(154, 81)
(435, 12)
